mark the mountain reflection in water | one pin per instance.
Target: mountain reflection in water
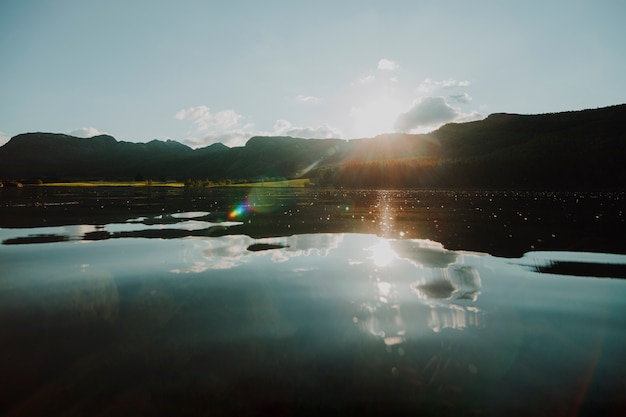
(178, 314)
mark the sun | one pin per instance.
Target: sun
(375, 117)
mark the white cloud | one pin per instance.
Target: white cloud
(309, 99)
(284, 128)
(202, 117)
(192, 113)
(469, 117)
(431, 112)
(210, 128)
(387, 65)
(321, 132)
(429, 85)
(86, 132)
(239, 135)
(4, 138)
(236, 137)
(383, 65)
(366, 79)
(281, 126)
(462, 98)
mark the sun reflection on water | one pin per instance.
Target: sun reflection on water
(382, 253)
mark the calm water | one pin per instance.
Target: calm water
(277, 302)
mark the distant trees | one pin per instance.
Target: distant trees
(194, 183)
(394, 173)
(199, 183)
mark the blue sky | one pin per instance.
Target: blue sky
(221, 71)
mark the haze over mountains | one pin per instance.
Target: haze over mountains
(572, 150)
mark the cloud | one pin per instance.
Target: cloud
(469, 117)
(426, 111)
(366, 79)
(284, 128)
(309, 99)
(202, 117)
(431, 112)
(387, 65)
(462, 98)
(223, 126)
(281, 126)
(4, 138)
(86, 132)
(230, 138)
(383, 65)
(429, 85)
(239, 135)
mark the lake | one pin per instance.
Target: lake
(260, 301)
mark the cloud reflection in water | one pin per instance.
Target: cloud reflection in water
(231, 251)
(447, 288)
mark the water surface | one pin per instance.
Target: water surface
(255, 302)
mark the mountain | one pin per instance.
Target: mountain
(581, 149)
(569, 150)
(50, 155)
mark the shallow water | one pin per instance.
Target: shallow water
(254, 302)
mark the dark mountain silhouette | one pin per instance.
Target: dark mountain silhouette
(49, 155)
(570, 150)
(580, 149)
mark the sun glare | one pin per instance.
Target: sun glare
(375, 117)
(382, 253)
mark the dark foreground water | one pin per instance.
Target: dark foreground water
(276, 302)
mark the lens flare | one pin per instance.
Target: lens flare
(240, 210)
(262, 200)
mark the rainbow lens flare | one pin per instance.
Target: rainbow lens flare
(240, 210)
(260, 200)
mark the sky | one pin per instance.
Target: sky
(201, 72)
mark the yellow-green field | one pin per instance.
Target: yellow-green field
(113, 184)
(297, 183)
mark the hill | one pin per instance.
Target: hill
(581, 149)
(570, 150)
(49, 155)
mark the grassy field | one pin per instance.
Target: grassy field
(112, 184)
(297, 183)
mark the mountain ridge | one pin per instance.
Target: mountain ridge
(503, 150)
